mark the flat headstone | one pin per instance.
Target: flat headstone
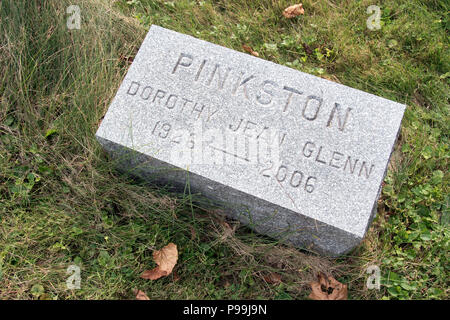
(291, 155)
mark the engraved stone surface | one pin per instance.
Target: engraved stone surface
(291, 155)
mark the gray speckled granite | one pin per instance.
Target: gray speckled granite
(291, 155)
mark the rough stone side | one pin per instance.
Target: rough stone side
(265, 218)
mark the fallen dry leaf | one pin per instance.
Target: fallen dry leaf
(193, 233)
(250, 50)
(126, 59)
(141, 295)
(328, 289)
(273, 278)
(228, 231)
(293, 11)
(166, 259)
(308, 49)
(176, 277)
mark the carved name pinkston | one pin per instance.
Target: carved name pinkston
(239, 84)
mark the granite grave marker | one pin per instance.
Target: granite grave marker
(291, 155)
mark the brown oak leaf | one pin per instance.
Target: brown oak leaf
(193, 233)
(308, 49)
(166, 259)
(126, 59)
(140, 295)
(176, 277)
(273, 278)
(328, 288)
(250, 50)
(293, 11)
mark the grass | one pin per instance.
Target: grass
(62, 202)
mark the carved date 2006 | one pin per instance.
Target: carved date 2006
(294, 178)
